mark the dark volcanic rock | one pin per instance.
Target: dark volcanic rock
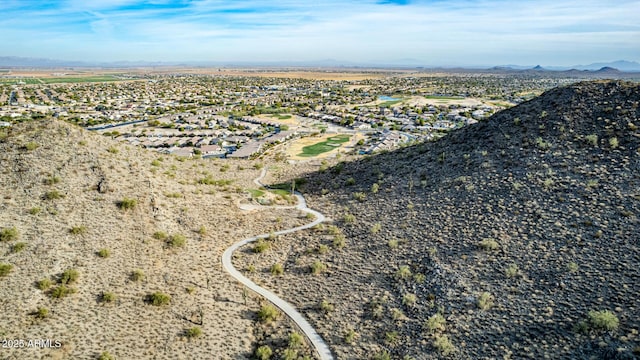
(554, 182)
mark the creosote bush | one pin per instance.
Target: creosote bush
(127, 204)
(5, 269)
(107, 297)
(78, 230)
(8, 234)
(489, 244)
(69, 276)
(177, 240)
(296, 340)
(136, 275)
(104, 253)
(484, 301)
(53, 195)
(17, 247)
(62, 291)
(443, 345)
(435, 323)
(41, 313)
(326, 307)
(158, 299)
(268, 313)
(403, 272)
(193, 332)
(31, 145)
(44, 284)
(106, 356)
(260, 246)
(264, 352)
(603, 320)
(317, 267)
(276, 269)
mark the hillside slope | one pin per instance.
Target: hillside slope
(516, 230)
(65, 200)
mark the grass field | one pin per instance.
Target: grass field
(81, 79)
(437, 97)
(12, 81)
(324, 146)
(390, 103)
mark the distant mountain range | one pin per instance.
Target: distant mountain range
(28, 62)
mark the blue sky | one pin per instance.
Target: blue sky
(427, 32)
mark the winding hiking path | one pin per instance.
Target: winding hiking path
(316, 340)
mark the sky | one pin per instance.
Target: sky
(357, 32)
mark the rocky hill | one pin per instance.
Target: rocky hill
(516, 237)
(91, 229)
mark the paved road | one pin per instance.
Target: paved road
(316, 340)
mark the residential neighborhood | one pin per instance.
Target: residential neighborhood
(242, 116)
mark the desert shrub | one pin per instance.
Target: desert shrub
(127, 204)
(160, 235)
(296, 340)
(41, 313)
(542, 145)
(193, 332)
(339, 241)
(397, 314)
(443, 345)
(176, 240)
(603, 320)
(350, 181)
(409, 299)
(289, 354)
(104, 253)
(155, 163)
(34, 210)
(435, 323)
(511, 271)
(78, 230)
(326, 307)
(323, 249)
(349, 218)
(202, 231)
(8, 234)
(384, 355)
(489, 244)
(572, 267)
(53, 195)
(113, 150)
(158, 299)
(419, 278)
(403, 272)
(268, 313)
(391, 337)
(136, 275)
(31, 145)
(317, 267)
(264, 352)
(350, 336)
(376, 228)
(44, 284)
(18, 247)
(613, 142)
(393, 243)
(107, 297)
(484, 301)
(276, 269)
(106, 356)
(260, 246)
(360, 196)
(61, 291)
(592, 139)
(69, 276)
(5, 269)
(51, 180)
(375, 188)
